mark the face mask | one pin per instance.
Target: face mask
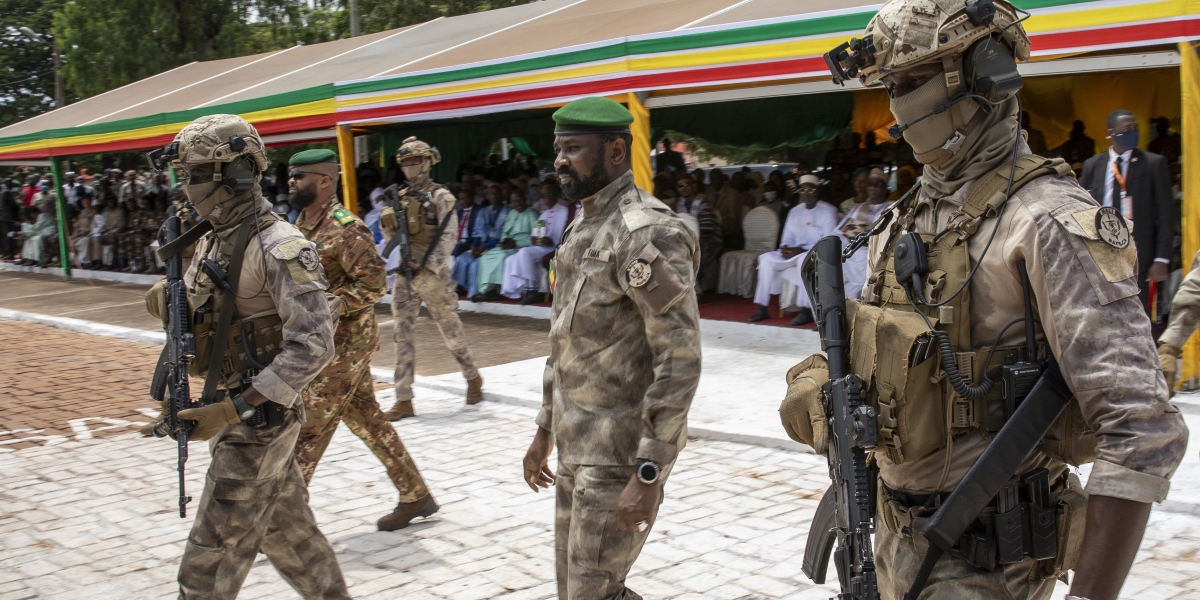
(769, 196)
(1127, 140)
(934, 139)
(208, 199)
(416, 173)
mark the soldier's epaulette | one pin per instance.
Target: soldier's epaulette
(343, 216)
(639, 209)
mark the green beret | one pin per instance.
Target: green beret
(592, 115)
(312, 157)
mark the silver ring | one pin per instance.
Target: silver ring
(642, 525)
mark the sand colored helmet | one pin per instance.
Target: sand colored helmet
(907, 33)
(216, 139)
(411, 146)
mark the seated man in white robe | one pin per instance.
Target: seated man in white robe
(523, 270)
(807, 222)
(854, 269)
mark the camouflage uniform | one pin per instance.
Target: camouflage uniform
(133, 242)
(255, 498)
(623, 367)
(344, 391)
(435, 287)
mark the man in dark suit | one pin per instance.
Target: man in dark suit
(1138, 184)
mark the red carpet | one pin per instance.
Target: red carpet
(720, 307)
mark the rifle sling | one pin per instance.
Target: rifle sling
(225, 320)
(184, 240)
(998, 463)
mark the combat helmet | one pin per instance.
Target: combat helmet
(907, 33)
(411, 147)
(212, 139)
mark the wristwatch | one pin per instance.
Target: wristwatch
(648, 472)
(243, 408)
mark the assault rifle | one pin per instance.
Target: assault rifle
(391, 195)
(171, 375)
(845, 513)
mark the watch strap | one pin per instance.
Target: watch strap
(241, 406)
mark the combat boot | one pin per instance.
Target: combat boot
(406, 512)
(475, 390)
(402, 409)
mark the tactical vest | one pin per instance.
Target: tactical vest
(422, 215)
(898, 362)
(249, 344)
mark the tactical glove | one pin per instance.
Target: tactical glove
(387, 222)
(803, 411)
(210, 419)
(156, 300)
(1168, 356)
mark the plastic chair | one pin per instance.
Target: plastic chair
(739, 268)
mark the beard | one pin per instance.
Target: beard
(583, 187)
(301, 198)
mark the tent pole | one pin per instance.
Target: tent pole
(1189, 75)
(643, 174)
(60, 203)
(345, 142)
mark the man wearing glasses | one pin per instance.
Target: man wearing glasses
(808, 222)
(344, 391)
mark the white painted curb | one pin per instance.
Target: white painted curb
(138, 278)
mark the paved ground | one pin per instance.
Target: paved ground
(87, 507)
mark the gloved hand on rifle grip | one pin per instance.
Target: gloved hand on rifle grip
(387, 222)
(211, 419)
(803, 410)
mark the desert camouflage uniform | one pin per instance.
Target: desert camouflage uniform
(1185, 309)
(344, 391)
(623, 367)
(435, 287)
(1086, 297)
(255, 496)
(137, 236)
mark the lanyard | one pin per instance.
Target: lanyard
(1118, 176)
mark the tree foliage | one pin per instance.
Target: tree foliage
(26, 66)
(109, 43)
(381, 15)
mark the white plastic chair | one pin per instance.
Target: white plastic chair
(739, 268)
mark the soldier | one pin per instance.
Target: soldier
(624, 359)
(432, 224)
(254, 495)
(989, 212)
(1185, 317)
(344, 391)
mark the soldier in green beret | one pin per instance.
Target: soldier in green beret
(344, 391)
(624, 359)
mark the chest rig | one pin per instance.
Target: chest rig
(922, 403)
(229, 349)
(422, 216)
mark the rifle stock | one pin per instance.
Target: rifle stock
(851, 435)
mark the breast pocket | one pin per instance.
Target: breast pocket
(597, 303)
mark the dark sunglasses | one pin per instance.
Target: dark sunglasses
(876, 184)
(684, 184)
(298, 175)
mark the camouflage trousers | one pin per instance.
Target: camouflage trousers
(436, 289)
(344, 392)
(897, 562)
(592, 557)
(255, 498)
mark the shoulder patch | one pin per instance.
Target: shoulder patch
(343, 216)
(1094, 227)
(290, 248)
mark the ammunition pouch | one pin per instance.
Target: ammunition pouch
(263, 336)
(1052, 536)
(899, 362)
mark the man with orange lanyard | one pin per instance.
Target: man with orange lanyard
(1138, 184)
